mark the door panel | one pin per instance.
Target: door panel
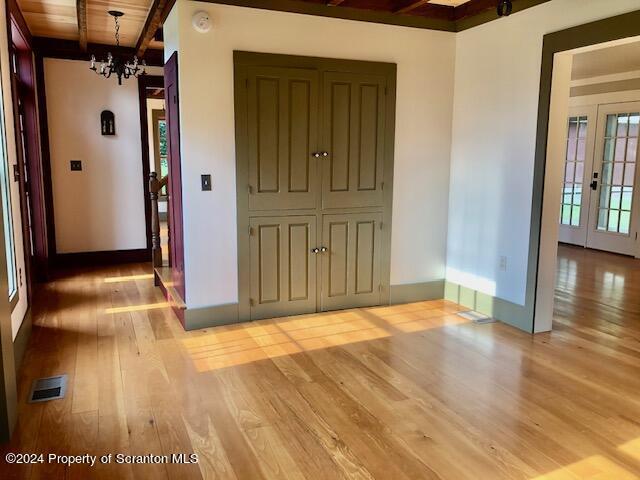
(351, 264)
(283, 268)
(282, 135)
(353, 134)
(176, 242)
(612, 218)
(578, 162)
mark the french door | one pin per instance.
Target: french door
(599, 208)
(613, 221)
(578, 168)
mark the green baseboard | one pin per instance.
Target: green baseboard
(416, 292)
(22, 339)
(510, 313)
(216, 315)
(213, 316)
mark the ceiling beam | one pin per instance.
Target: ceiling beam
(70, 50)
(81, 13)
(157, 14)
(412, 6)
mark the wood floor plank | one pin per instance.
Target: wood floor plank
(404, 392)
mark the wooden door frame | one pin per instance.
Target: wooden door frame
(241, 61)
(174, 186)
(23, 92)
(145, 82)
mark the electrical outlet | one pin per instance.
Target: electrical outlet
(503, 263)
(76, 165)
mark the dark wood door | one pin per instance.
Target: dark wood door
(176, 242)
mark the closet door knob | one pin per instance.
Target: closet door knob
(315, 155)
(323, 249)
(325, 154)
(315, 250)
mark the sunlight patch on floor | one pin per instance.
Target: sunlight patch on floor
(128, 278)
(137, 308)
(595, 467)
(632, 449)
(241, 344)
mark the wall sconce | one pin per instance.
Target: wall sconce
(107, 123)
(505, 7)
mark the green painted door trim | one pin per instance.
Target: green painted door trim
(372, 16)
(609, 29)
(243, 61)
(416, 292)
(507, 312)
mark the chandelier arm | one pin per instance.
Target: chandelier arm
(116, 65)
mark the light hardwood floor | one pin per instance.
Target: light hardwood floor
(403, 392)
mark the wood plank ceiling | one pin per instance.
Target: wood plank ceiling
(89, 21)
(59, 19)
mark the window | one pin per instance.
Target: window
(7, 219)
(618, 172)
(574, 172)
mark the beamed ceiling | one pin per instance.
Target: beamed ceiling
(87, 21)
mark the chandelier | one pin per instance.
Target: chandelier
(116, 65)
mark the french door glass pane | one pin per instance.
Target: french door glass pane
(574, 171)
(618, 172)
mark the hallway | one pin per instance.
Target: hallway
(403, 392)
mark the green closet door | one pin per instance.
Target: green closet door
(351, 264)
(282, 136)
(353, 137)
(283, 266)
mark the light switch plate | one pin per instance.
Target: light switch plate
(205, 180)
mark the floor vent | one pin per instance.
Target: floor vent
(50, 388)
(477, 317)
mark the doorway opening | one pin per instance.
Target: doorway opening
(599, 212)
(586, 201)
(155, 156)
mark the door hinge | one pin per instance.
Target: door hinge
(380, 288)
(636, 235)
(382, 186)
(250, 189)
(252, 303)
(250, 231)
(16, 172)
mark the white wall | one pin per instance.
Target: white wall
(425, 61)
(494, 131)
(101, 207)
